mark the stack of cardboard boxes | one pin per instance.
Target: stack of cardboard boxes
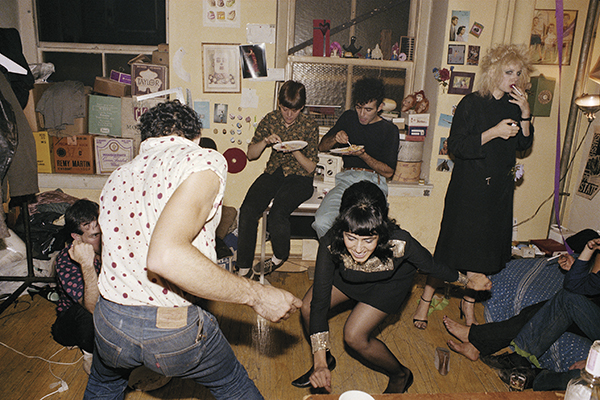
(106, 137)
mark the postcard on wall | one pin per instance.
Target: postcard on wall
(459, 23)
(202, 108)
(221, 13)
(444, 165)
(476, 29)
(590, 181)
(473, 55)
(445, 121)
(543, 43)
(443, 150)
(254, 60)
(220, 113)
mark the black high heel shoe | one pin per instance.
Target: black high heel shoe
(304, 380)
(415, 320)
(460, 308)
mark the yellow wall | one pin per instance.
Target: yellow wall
(186, 31)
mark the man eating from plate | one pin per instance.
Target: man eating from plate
(287, 179)
(375, 159)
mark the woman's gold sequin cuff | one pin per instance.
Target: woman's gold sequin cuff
(319, 341)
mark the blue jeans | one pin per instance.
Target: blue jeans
(330, 206)
(554, 319)
(287, 193)
(128, 337)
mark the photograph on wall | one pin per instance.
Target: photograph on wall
(221, 64)
(590, 181)
(456, 54)
(444, 165)
(220, 113)
(221, 13)
(443, 150)
(476, 29)
(254, 60)
(543, 42)
(461, 82)
(458, 26)
(202, 108)
(473, 55)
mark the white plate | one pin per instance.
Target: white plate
(355, 395)
(292, 145)
(346, 150)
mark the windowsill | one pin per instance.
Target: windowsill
(96, 182)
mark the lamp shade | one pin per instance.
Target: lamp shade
(589, 104)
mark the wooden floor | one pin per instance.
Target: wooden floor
(273, 354)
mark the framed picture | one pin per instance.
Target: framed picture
(473, 55)
(461, 82)
(543, 43)
(456, 54)
(221, 68)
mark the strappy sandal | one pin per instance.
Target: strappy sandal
(415, 320)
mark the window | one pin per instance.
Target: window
(85, 39)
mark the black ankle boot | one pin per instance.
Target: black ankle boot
(304, 380)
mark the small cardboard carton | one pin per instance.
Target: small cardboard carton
(120, 77)
(43, 149)
(111, 88)
(104, 115)
(112, 153)
(74, 154)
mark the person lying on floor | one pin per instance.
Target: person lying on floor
(537, 327)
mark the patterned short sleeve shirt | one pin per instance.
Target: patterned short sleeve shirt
(130, 205)
(304, 128)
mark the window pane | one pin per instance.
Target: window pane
(367, 32)
(133, 22)
(80, 67)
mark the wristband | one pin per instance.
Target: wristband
(526, 119)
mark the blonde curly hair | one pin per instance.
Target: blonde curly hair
(498, 58)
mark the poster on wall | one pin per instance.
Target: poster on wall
(221, 13)
(543, 43)
(458, 26)
(590, 181)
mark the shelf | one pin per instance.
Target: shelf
(72, 181)
(352, 61)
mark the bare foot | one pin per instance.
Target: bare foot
(460, 331)
(420, 315)
(466, 349)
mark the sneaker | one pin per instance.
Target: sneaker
(87, 361)
(270, 266)
(506, 361)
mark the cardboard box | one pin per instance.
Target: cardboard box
(110, 153)
(111, 87)
(36, 119)
(73, 155)
(148, 78)
(131, 111)
(120, 77)
(43, 149)
(160, 57)
(104, 115)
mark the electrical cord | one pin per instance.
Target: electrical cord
(63, 385)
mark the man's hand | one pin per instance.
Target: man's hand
(82, 253)
(565, 261)
(275, 304)
(272, 139)
(478, 282)
(578, 365)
